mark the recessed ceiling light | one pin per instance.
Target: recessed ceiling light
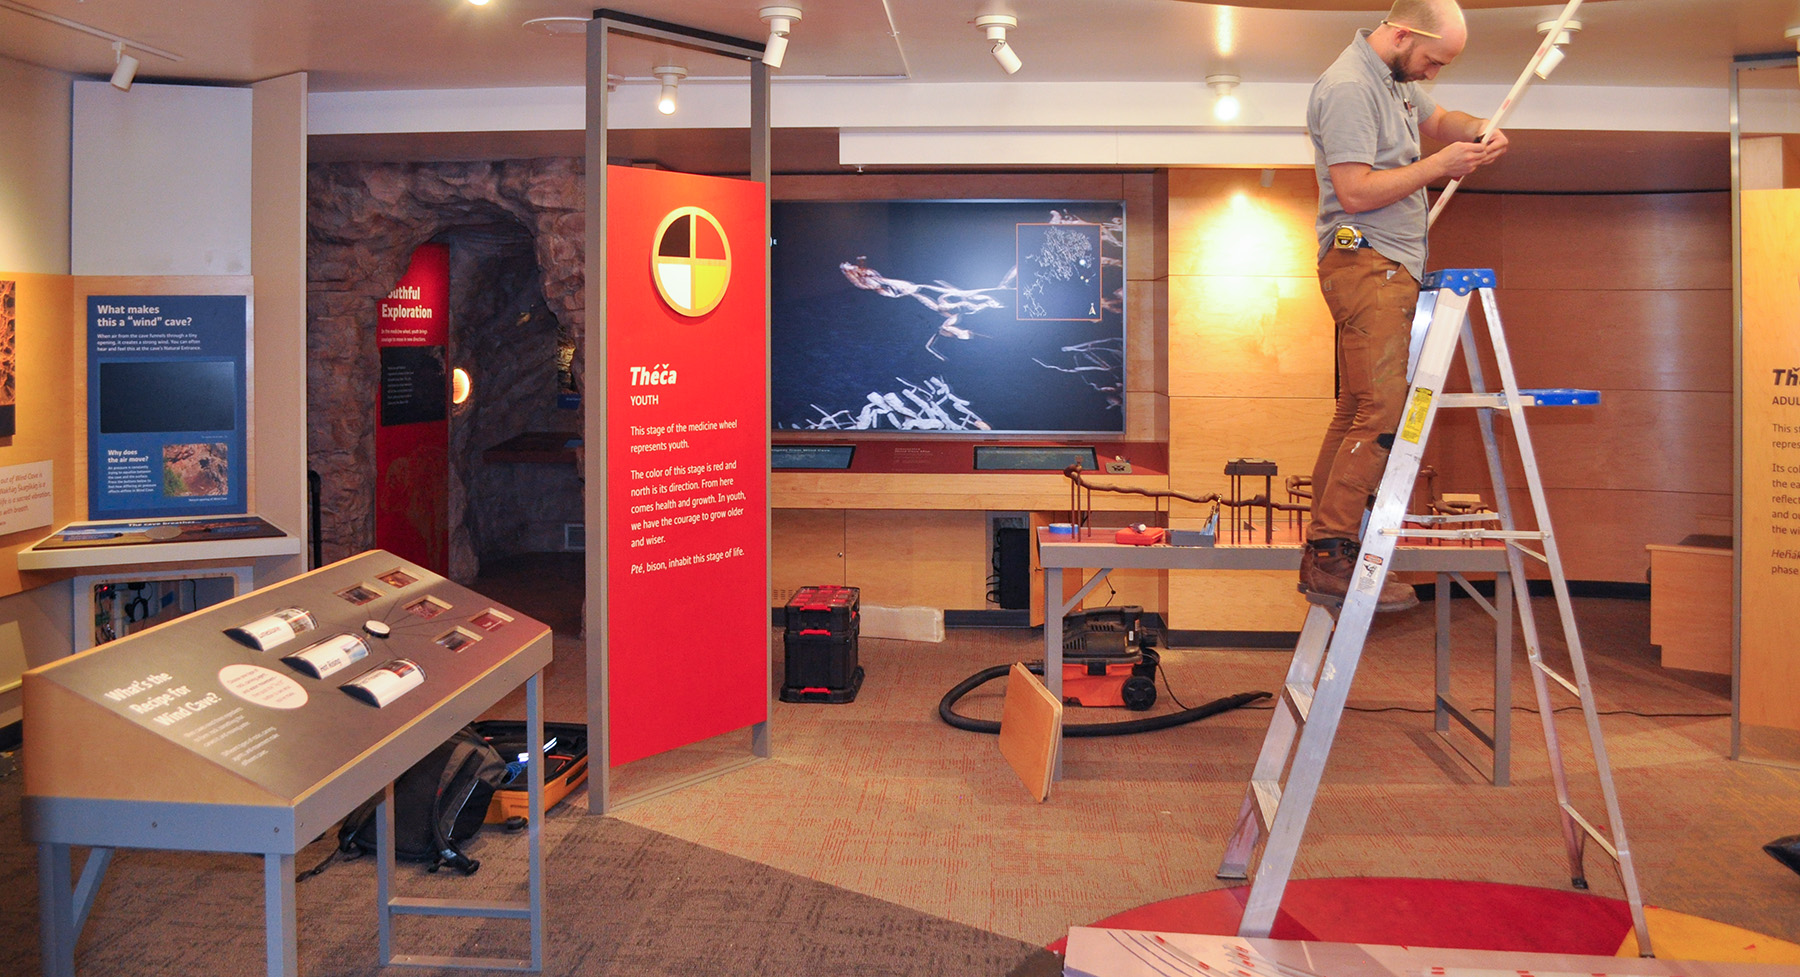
(557, 25)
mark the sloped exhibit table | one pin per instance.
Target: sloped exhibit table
(253, 726)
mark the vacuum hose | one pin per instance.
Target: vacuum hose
(947, 709)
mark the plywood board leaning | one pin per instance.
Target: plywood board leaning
(1030, 730)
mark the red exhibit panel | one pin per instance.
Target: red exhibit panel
(686, 422)
(412, 430)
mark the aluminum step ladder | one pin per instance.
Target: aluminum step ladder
(1286, 779)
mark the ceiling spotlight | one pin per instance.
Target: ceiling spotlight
(124, 67)
(780, 21)
(670, 75)
(1225, 100)
(1554, 56)
(479, 3)
(996, 26)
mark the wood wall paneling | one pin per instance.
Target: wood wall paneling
(1671, 441)
(1224, 222)
(987, 491)
(1249, 336)
(1235, 600)
(1645, 339)
(807, 549)
(1653, 241)
(911, 558)
(1209, 431)
(1468, 233)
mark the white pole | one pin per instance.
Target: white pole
(1512, 97)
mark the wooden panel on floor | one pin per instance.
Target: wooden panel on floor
(1690, 607)
(1030, 730)
(925, 559)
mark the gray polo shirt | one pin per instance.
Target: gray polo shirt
(1358, 113)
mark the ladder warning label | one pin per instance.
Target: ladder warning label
(1415, 415)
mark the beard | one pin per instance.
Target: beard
(1397, 67)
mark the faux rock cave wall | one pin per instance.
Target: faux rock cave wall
(514, 229)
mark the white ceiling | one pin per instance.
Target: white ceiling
(352, 45)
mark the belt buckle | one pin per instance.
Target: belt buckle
(1347, 238)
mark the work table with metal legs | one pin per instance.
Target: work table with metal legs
(1096, 550)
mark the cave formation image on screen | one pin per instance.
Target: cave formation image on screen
(948, 316)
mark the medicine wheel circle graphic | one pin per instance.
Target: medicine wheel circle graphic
(692, 261)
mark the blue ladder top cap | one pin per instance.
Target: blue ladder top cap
(1562, 397)
(1460, 280)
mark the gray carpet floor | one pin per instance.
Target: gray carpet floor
(622, 900)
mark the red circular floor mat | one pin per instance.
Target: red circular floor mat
(1404, 912)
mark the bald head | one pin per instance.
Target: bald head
(1437, 16)
(1418, 37)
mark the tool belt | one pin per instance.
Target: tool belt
(1347, 237)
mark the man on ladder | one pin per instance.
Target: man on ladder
(1365, 117)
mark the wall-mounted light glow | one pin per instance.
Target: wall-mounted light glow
(670, 75)
(479, 3)
(780, 21)
(996, 26)
(460, 386)
(1225, 100)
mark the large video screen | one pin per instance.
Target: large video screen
(948, 317)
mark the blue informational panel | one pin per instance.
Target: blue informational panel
(166, 405)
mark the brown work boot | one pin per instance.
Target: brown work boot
(1325, 569)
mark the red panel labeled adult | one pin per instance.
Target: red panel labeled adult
(687, 427)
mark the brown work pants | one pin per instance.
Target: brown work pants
(1372, 300)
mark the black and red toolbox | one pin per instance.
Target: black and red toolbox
(821, 629)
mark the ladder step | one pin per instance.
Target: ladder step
(1299, 698)
(1557, 678)
(1599, 836)
(1476, 533)
(1268, 801)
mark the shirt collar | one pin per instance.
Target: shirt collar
(1378, 70)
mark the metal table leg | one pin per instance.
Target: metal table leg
(280, 927)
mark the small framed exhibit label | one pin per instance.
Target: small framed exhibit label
(831, 457)
(1032, 458)
(457, 638)
(427, 607)
(398, 579)
(360, 594)
(491, 620)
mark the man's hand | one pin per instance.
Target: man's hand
(1459, 159)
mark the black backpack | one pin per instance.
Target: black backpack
(438, 803)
